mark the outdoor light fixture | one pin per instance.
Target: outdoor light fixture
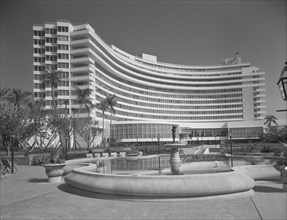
(282, 83)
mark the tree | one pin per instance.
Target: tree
(15, 125)
(52, 78)
(269, 120)
(3, 94)
(103, 106)
(19, 98)
(88, 130)
(112, 102)
(83, 98)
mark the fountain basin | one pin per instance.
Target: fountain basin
(161, 186)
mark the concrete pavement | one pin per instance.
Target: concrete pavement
(28, 195)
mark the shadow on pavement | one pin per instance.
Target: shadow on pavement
(38, 180)
(267, 189)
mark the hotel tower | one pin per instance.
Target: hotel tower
(206, 102)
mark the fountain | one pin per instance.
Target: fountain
(151, 186)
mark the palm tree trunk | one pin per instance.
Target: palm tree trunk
(110, 129)
(103, 125)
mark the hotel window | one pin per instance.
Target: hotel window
(39, 50)
(39, 33)
(64, 83)
(51, 49)
(63, 65)
(63, 38)
(51, 66)
(51, 31)
(62, 29)
(63, 56)
(51, 58)
(51, 40)
(63, 47)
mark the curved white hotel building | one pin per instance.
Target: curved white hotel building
(206, 102)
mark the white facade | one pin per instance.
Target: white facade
(146, 89)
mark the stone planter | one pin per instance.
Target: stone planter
(54, 172)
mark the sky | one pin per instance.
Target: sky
(182, 32)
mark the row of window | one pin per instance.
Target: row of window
(38, 77)
(140, 131)
(63, 65)
(179, 80)
(62, 29)
(176, 95)
(63, 38)
(50, 31)
(39, 33)
(63, 56)
(62, 75)
(39, 50)
(51, 40)
(80, 74)
(39, 68)
(64, 92)
(51, 66)
(117, 81)
(39, 94)
(41, 86)
(51, 49)
(49, 93)
(51, 58)
(169, 117)
(58, 102)
(63, 47)
(39, 59)
(80, 83)
(39, 42)
(187, 69)
(141, 97)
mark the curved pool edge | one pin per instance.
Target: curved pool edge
(171, 186)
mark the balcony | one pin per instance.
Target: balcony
(88, 78)
(86, 59)
(88, 69)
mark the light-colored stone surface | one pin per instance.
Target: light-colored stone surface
(259, 172)
(27, 195)
(160, 186)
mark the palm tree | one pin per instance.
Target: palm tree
(103, 106)
(83, 99)
(269, 120)
(3, 94)
(52, 78)
(112, 101)
(19, 98)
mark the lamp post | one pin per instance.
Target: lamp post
(282, 82)
(158, 138)
(230, 138)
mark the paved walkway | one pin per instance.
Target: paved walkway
(27, 195)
